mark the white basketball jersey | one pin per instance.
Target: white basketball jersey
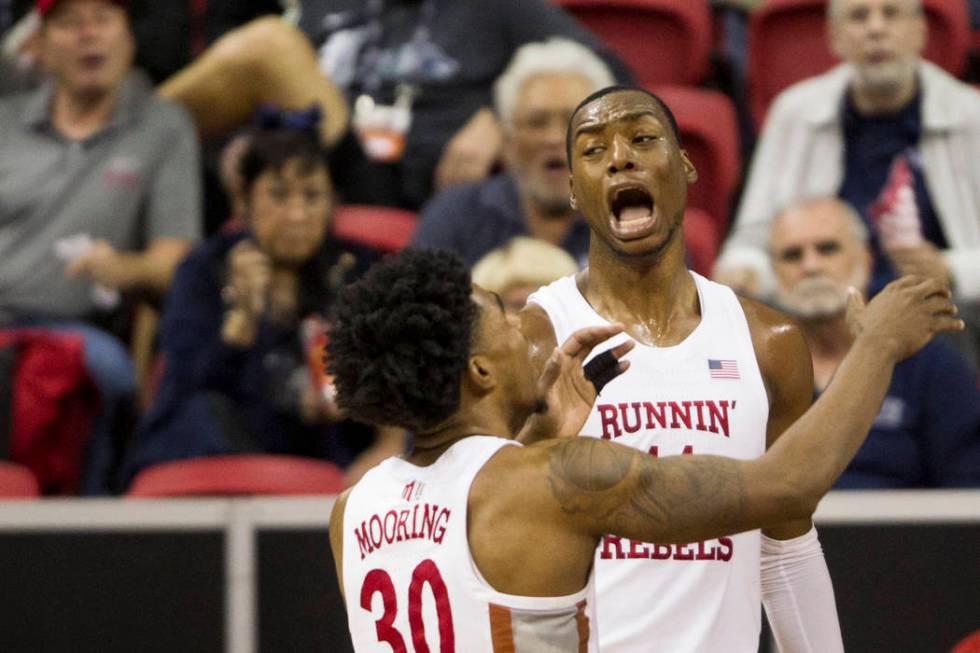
(410, 582)
(703, 396)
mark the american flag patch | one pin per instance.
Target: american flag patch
(723, 369)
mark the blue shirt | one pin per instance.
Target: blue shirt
(871, 144)
(927, 433)
(472, 220)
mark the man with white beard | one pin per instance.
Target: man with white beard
(927, 433)
(891, 134)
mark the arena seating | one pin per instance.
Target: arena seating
(709, 132)
(787, 43)
(662, 41)
(237, 476)
(382, 228)
(17, 482)
(702, 239)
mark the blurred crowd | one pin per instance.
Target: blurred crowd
(173, 176)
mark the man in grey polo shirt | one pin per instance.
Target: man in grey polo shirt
(99, 194)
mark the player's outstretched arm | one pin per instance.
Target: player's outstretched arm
(606, 488)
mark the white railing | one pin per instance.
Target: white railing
(240, 519)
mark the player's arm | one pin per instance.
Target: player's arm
(337, 537)
(604, 488)
(797, 591)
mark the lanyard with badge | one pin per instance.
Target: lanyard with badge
(381, 128)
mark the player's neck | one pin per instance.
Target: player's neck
(482, 416)
(656, 298)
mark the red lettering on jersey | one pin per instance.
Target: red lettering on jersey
(704, 553)
(363, 542)
(391, 519)
(675, 413)
(612, 548)
(637, 550)
(727, 546)
(610, 542)
(684, 415)
(630, 428)
(403, 525)
(688, 450)
(683, 552)
(718, 414)
(656, 411)
(393, 527)
(439, 527)
(610, 427)
(376, 540)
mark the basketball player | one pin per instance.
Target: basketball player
(473, 543)
(712, 374)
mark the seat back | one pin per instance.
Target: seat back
(17, 482)
(238, 475)
(702, 240)
(709, 132)
(788, 43)
(382, 228)
(662, 41)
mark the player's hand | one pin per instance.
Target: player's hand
(904, 316)
(924, 260)
(565, 393)
(249, 277)
(471, 153)
(102, 264)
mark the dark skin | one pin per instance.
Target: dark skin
(640, 279)
(566, 492)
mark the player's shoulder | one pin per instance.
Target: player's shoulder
(776, 337)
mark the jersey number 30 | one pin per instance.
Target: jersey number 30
(378, 581)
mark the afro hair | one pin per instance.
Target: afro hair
(401, 340)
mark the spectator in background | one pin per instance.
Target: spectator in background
(533, 99)
(927, 433)
(417, 74)
(99, 195)
(520, 267)
(891, 134)
(242, 328)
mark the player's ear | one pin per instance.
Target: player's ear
(572, 202)
(479, 374)
(689, 170)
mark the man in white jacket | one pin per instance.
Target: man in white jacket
(893, 135)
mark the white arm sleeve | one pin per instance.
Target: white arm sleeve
(798, 595)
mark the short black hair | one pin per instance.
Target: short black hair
(272, 149)
(401, 340)
(602, 92)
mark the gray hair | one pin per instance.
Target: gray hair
(833, 7)
(855, 224)
(556, 55)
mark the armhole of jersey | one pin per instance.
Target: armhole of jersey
(740, 319)
(517, 602)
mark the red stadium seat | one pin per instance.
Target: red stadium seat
(238, 476)
(709, 132)
(702, 240)
(380, 227)
(662, 41)
(788, 42)
(17, 482)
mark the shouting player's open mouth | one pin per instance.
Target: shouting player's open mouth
(631, 211)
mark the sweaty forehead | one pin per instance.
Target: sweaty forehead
(618, 106)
